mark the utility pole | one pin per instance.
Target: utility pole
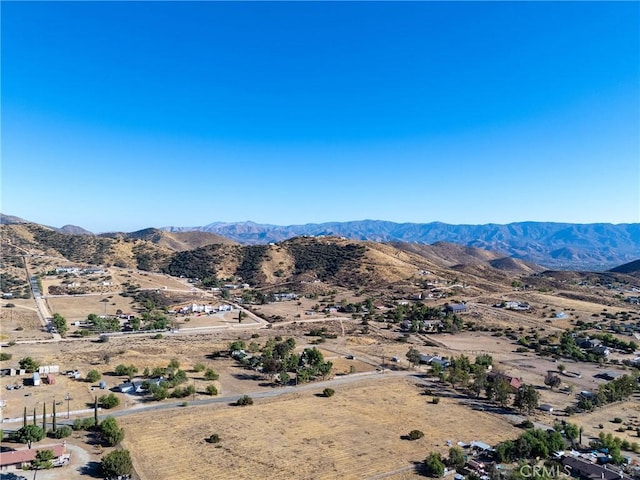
(67, 398)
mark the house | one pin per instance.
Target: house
(514, 383)
(632, 300)
(22, 458)
(511, 305)
(457, 308)
(590, 471)
(601, 350)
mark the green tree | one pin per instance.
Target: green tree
(43, 460)
(109, 401)
(116, 464)
(93, 376)
(29, 434)
(244, 401)
(54, 424)
(60, 323)
(110, 433)
(211, 375)
(456, 457)
(211, 389)
(413, 356)
(29, 364)
(433, 465)
(526, 398)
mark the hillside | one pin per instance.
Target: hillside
(554, 245)
(631, 268)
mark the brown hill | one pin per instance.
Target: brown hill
(631, 268)
(176, 241)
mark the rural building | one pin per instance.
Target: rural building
(50, 379)
(545, 407)
(511, 305)
(36, 379)
(590, 471)
(514, 383)
(457, 308)
(20, 458)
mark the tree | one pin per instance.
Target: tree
(433, 465)
(244, 401)
(552, 380)
(571, 431)
(43, 460)
(413, 356)
(109, 401)
(211, 390)
(110, 433)
(93, 376)
(29, 364)
(54, 424)
(29, 434)
(456, 457)
(117, 464)
(526, 398)
(60, 323)
(501, 391)
(210, 374)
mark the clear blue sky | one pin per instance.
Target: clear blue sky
(121, 116)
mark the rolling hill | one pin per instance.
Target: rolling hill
(555, 245)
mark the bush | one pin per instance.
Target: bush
(415, 435)
(93, 376)
(199, 367)
(213, 438)
(157, 336)
(435, 400)
(109, 401)
(62, 432)
(328, 392)
(244, 401)
(210, 374)
(211, 390)
(617, 420)
(5, 356)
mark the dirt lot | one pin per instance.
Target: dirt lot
(20, 322)
(355, 434)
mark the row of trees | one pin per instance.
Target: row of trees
(614, 391)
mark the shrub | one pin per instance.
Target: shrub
(415, 434)
(109, 401)
(244, 401)
(157, 336)
(93, 376)
(617, 420)
(62, 432)
(328, 392)
(199, 367)
(5, 356)
(211, 390)
(213, 438)
(210, 374)
(435, 400)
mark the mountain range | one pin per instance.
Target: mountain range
(560, 246)
(570, 246)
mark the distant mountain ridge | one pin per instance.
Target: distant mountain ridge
(597, 246)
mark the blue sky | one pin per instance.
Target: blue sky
(124, 115)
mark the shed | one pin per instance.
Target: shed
(545, 407)
(103, 385)
(36, 379)
(50, 379)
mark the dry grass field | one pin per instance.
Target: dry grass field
(20, 322)
(355, 434)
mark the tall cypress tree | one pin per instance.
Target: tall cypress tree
(53, 424)
(24, 417)
(44, 417)
(34, 415)
(95, 410)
